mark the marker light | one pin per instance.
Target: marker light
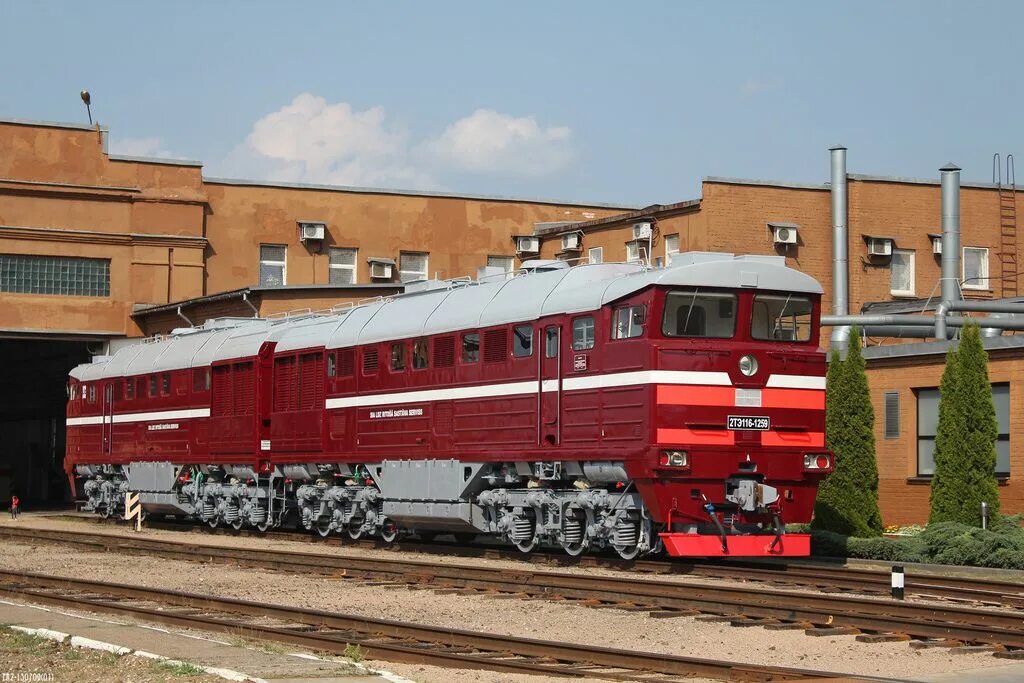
(748, 366)
(817, 461)
(675, 459)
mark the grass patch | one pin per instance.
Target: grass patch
(243, 638)
(19, 642)
(354, 652)
(179, 668)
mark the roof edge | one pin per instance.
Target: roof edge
(54, 124)
(214, 180)
(155, 160)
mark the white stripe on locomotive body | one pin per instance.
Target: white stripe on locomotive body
(795, 382)
(121, 418)
(620, 379)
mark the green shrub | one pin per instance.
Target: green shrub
(847, 501)
(965, 441)
(953, 543)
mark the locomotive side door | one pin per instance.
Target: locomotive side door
(549, 429)
(107, 412)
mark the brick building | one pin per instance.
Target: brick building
(97, 248)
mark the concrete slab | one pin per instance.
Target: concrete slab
(1011, 673)
(194, 648)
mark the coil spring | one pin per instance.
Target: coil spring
(231, 510)
(626, 533)
(572, 531)
(258, 515)
(209, 509)
(522, 529)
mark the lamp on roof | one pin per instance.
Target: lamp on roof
(88, 102)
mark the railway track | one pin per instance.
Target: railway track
(382, 639)
(871, 618)
(987, 592)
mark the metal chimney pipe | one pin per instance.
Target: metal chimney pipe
(950, 278)
(840, 247)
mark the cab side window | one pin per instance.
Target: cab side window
(522, 341)
(628, 321)
(583, 333)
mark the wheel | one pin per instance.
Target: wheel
(105, 512)
(323, 528)
(237, 524)
(464, 538)
(263, 526)
(355, 532)
(527, 546)
(389, 532)
(573, 549)
(627, 552)
(212, 522)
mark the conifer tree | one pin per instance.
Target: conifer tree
(965, 440)
(847, 501)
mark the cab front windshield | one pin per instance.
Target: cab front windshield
(696, 313)
(781, 317)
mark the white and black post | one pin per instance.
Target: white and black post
(897, 582)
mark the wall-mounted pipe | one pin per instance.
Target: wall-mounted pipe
(840, 246)
(245, 300)
(946, 307)
(921, 326)
(185, 317)
(950, 277)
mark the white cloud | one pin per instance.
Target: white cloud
(490, 142)
(312, 141)
(142, 147)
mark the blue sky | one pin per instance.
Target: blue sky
(601, 101)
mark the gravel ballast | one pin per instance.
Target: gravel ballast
(548, 620)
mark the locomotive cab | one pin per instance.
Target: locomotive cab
(739, 444)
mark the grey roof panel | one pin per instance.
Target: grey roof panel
(347, 334)
(462, 308)
(403, 317)
(243, 342)
(456, 306)
(307, 334)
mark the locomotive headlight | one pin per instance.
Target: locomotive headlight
(675, 458)
(748, 366)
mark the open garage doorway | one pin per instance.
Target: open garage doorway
(33, 376)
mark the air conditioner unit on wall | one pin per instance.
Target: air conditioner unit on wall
(936, 244)
(784, 234)
(527, 244)
(571, 242)
(879, 246)
(309, 231)
(641, 231)
(380, 270)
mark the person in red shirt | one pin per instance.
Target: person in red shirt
(15, 504)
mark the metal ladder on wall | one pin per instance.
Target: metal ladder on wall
(1008, 271)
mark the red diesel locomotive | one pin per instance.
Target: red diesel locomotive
(600, 406)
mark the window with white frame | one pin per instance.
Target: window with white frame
(595, 255)
(633, 252)
(671, 248)
(901, 272)
(273, 270)
(343, 266)
(412, 266)
(975, 268)
(503, 262)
